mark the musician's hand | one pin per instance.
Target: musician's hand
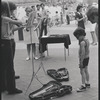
(19, 23)
(39, 37)
(80, 65)
(27, 29)
(35, 29)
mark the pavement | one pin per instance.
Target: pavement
(55, 60)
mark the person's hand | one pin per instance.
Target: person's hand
(35, 29)
(19, 23)
(80, 65)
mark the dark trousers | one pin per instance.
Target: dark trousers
(43, 27)
(7, 65)
(68, 19)
(13, 44)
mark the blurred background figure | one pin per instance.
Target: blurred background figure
(44, 17)
(61, 18)
(93, 35)
(92, 14)
(31, 14)
(67, 16)
(79, 17)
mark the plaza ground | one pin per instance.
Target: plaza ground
(56, 60)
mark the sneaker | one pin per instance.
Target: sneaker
(36, 58)
(15, 91)
(81, 89)
(87, 85)
(27, 58)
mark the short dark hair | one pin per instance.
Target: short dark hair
(32, 6)
(6, 6)
(37, 5)
(79, 32)
(79, 7)
(29, 9)
(42, 4)
(56, 11)
(91, 12)
(12, 6)
(66, 8)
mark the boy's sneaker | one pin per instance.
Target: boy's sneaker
(87, 85)
(81, 89)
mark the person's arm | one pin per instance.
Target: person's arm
(45, 14)
(82, 53)
(17, 28)
(81, 18)
(37, 26)
(96, 30)
(77, 17)
(7, 19)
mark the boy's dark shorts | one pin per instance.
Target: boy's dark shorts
(85, 62)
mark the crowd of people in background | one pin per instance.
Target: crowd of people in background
(34, 24)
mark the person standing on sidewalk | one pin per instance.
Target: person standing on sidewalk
(92, 31)
(79, 17)
(8, 73)
(92, 14)
(44, 20)
(31, 38)
(14, 28)
(38, 11)
(80, 34)
(67, 16)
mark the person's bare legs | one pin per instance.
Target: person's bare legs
(33, 49)
(87, 74)
(83, 87)
(82, 71)
(93, 38)
(28, 51)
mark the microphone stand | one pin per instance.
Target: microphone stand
(34, 74)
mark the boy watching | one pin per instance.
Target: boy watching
(80, 34)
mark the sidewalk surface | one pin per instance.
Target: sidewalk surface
(56, 60)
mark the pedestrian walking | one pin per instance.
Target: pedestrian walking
(80, 34)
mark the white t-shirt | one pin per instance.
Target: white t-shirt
(92, 27)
